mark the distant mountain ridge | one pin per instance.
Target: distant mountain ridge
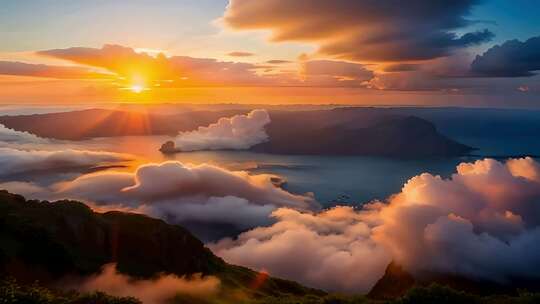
(346, 131)
(340, 131)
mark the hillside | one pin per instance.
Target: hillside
(48, 241)
(397, 282)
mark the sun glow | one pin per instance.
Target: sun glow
(137, 88)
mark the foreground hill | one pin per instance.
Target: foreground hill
(343, 131)
(49, 241)
(66, 239)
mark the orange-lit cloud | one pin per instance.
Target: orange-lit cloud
(362, 30)
(16, 68)
(335, 73)
(161, 71)
(278, 61)
(159, 290)
(240, 54)
(181, 71)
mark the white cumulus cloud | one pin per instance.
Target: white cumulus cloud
(482, 223)
(178, 193)
(239, 132)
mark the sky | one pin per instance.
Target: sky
(271, 51)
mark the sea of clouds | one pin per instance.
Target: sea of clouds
(482, 223)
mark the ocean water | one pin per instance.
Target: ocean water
(332, 179)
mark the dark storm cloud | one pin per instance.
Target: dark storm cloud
(511, 59)
(363, 30)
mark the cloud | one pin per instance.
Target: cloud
(476, 224)
(174, 71)
(246, 215)
(240, 54)
(482, 223)
(204, 196)
(332, 250)
(335, 73)
(49, 71)
(401, 67)
(364, 31)
(278, 61)
(184, 71)
(511, 59)
(155, 291)
(10, 136)
(173, 180)
(239, 132)
(13, 161)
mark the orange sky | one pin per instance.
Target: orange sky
(269, 52)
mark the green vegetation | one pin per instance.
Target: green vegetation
(13, 293)
(444, 295)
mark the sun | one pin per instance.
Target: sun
(136, 88)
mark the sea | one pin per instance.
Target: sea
(333, 180)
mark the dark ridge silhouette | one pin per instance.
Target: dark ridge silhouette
(352, 132)
(48, 241)
(52, 241)
(341, 131)
(84, 124)
(396, 282)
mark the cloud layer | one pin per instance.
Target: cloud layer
(332, 250)
(13, 161)
(362, 30)
(239, 132)
(9, 136)
(157, 291)
(42, 70)
(482, 223)
(150, 70)
(179, 193)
